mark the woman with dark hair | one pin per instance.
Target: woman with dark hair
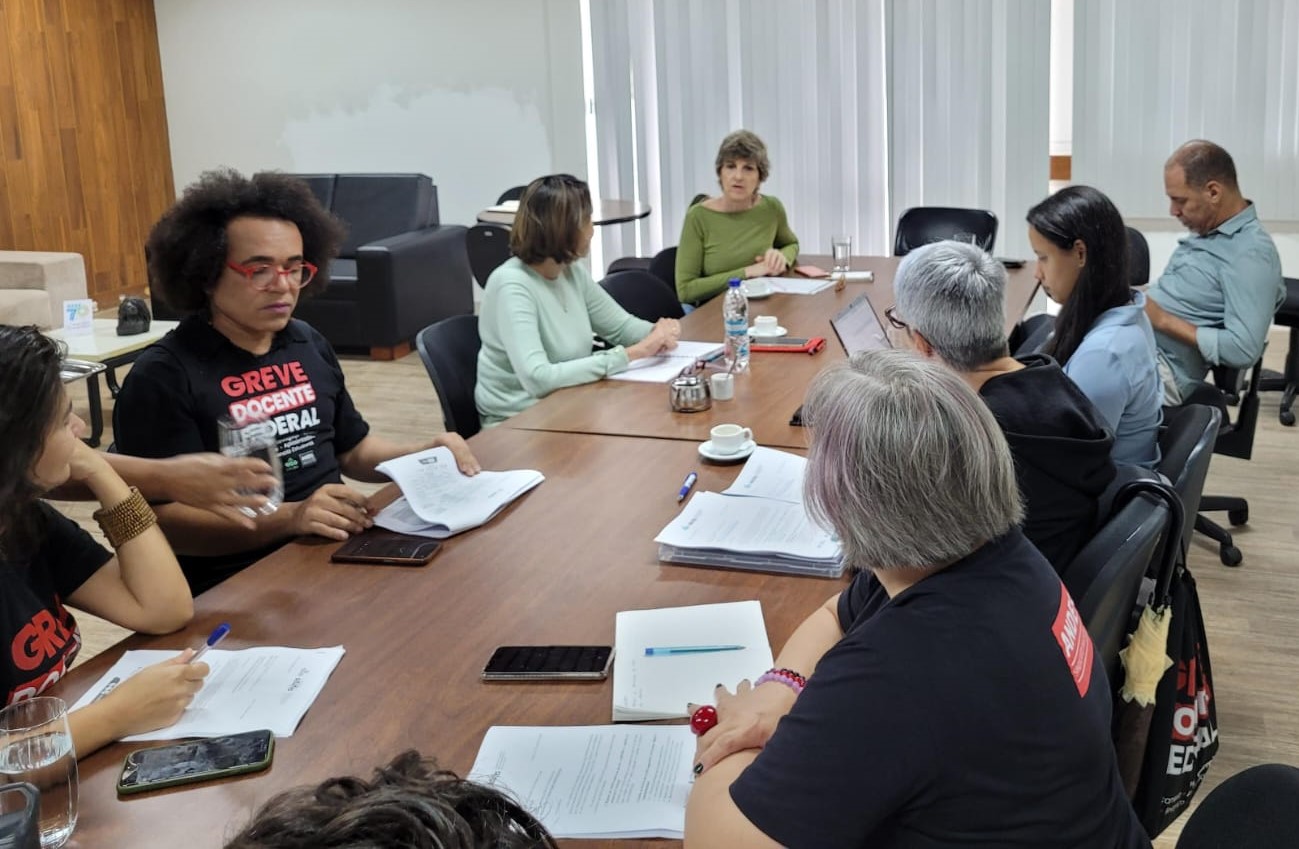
(541, 308)
(741, 232)
(237, 253)
(1102, 338)
(46, 560)
(409, 804)
(949, 696)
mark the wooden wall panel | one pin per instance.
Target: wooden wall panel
(85, 163)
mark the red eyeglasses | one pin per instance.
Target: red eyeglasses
(263, 275)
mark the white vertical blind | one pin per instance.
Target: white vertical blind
(1151, 75)
(969, 108)
(672, 77)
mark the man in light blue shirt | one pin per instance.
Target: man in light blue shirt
(1216, 298)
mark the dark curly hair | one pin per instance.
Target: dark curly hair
(31, 394)
(186, 249)
(409, 804)
(1081, 213)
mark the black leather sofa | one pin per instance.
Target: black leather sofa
(399, 269)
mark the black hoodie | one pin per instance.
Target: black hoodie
(1062, 453)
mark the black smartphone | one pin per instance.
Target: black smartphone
(549, 663)
(386, 548)
(196, 760)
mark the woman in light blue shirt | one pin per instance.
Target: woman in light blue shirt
(1102, 338)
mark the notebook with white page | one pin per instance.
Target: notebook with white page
(439, 501)
(797, 285)
(665, 366)
(660, 687)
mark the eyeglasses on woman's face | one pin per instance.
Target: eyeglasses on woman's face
(263, 275)
(892, 315)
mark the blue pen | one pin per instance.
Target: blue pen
(665, 651)
(217, 635)
(685, 487)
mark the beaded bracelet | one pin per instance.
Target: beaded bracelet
(788, 677)
(126, 520)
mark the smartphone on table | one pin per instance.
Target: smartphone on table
(549, 663)
(388, 548)
(196, 760)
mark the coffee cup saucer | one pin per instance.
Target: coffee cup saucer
(710, 452)
(757, 295)
(760, 333)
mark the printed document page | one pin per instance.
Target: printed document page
(594, 781)
(435, 493)
(749, 525)
(249, 689)
(796, 285)
(660, 687)
(664, 367)
(773, 474)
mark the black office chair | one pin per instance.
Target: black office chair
(629, 263)
(20, 823)
(1105, 576)
(1235, 439)
(1285, 383)
(488, 246)
(1254, 809)
(643, 295)
(449, 351)
(1186, 448)
(1138, 258)
(664, 267)
(921, 225)
(510, 194)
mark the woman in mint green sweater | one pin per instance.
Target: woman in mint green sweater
(740, 233)
(541, 308)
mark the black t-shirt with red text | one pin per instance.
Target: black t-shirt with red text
(40, 635)
(179, 387)
(968, 710)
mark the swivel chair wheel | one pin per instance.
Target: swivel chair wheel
(1238, 517)
(1287, 418)
(1230, 555)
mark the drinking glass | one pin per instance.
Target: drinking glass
(36, 747)
(841, 252)
(254, 438)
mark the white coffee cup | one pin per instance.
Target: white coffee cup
(757, 287)
(729, 438)
(766, 324)
(723, 386)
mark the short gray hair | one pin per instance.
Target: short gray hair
(907, 464)
(954, 295)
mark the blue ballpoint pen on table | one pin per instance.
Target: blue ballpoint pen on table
(218, 634)
(685, 487)
(666, 651)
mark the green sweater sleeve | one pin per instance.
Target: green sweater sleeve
(692, 284)
(785, 242)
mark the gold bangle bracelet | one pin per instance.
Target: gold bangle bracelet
(126, 520)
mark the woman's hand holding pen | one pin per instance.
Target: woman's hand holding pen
(662, 337)
(745, 720)
(157, 695)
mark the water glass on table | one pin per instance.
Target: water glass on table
(841, 252)
(254, 438)
(36, 748)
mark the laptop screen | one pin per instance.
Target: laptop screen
(858, 328)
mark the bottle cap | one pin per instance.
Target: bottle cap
(734, 281)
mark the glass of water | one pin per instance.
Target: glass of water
(841, 252)
(36, 747)
(254, 438)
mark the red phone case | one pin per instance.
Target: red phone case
(812, 345)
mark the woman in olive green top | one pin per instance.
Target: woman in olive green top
(739, 233)
(541, 307)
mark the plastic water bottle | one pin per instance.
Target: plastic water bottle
(735, 313)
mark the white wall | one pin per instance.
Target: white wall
(1061, 77)
(479, 94)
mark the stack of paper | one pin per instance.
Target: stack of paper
(247, 690)
(665, 366)
(594, 782)
(438, 501)
(759, 523)
(797, 285)
(660, 686)
(510, 206)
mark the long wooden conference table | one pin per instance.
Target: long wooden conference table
(554, 567)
